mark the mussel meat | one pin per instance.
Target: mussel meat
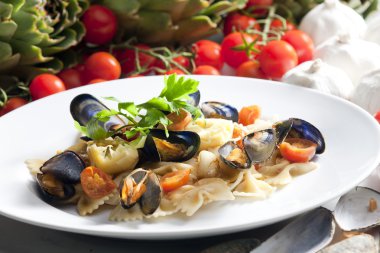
(234, 156)
(219, 110)
(59, 175)
(143, 187)
(177, 147)
(299, 128)
(85, 106)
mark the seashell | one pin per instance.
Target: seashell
(355, 244)
(212, 109)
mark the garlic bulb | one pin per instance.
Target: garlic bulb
(331, 18)
(320, 76)
(356, 57)
(367, 93)
(373, 28)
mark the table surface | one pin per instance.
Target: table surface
(20, 237)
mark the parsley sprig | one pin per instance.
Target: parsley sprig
(141, 118)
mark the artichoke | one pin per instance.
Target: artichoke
(163, 22)
(35, 33)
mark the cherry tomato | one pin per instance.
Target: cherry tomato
(174, 180)
(101, 65)
(179, 120)
(254, 6)
(181, 60)
(233, 56)
(208, 52)
(12, 104)
(44, 85)
(298, 150)
(302, 43)
(250, 69)
(206, 70)
(98, 80)
(174, 71)
(127, 58)
(276, 58)
(96, 183)
(71, 78)
(249, 114)
(239, 22)
(278, 25)
(377, 116)
(100, 23)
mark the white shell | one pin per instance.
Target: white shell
(331, 18)
(356, 57)
(352, 210)
(359, 243)
(320, 76)
(308, 233)
(367, 93)
(373, 28)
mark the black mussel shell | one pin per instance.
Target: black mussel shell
(299, 128)
(178, 147)
(59, 175)
(149, 152)
(260, 145)
(220, 110)
(151, 198)
(225, 152)
(194, 98)
(85, 106)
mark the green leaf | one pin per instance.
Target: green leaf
(80, 128)
(112, 99)
(178, 88)
(152, 118)
(129, 107)
(105, 115)
(159, 103)
(95, 131)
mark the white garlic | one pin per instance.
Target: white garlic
(373, 27)
(367, 93)
(331, 18)
(356, 57)
(320, 76)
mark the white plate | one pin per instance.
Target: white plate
(39, 129)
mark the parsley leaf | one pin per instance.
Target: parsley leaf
(178, 88)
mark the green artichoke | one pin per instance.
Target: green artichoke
(35, 33)
(162, 22)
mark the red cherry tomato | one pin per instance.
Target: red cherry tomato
(174, 180)
(12, 104)
(254, 6)
(44, 85)
(71, 78)
(249, 114)
(298, 150)
(127, 58)
(101, 65)
(96, 183)
(100, 23)
(206, 70)
(98, 80)
(231, 55)
(239, 22)
(276, 58)
(208, 52)
(377, 116)
(302, 43)
(174, 71)
(181, 60)
(250, 69)
(278, 25)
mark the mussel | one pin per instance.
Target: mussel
(143, 187)
(59, 175)
(219, 110)
(194, 98)
(299, 128)
(257, 147)
(85, 106)
(177, 147)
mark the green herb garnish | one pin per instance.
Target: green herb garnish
(144, 117)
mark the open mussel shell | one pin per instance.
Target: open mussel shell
(306, 234)
(85, 106)
(59, 175)
(150, 199)
(260, 145)
(194, 98)
(358, 209)
(363, 243)
(299, 128)
(219, 110)
(232, 155)
(177, 147)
